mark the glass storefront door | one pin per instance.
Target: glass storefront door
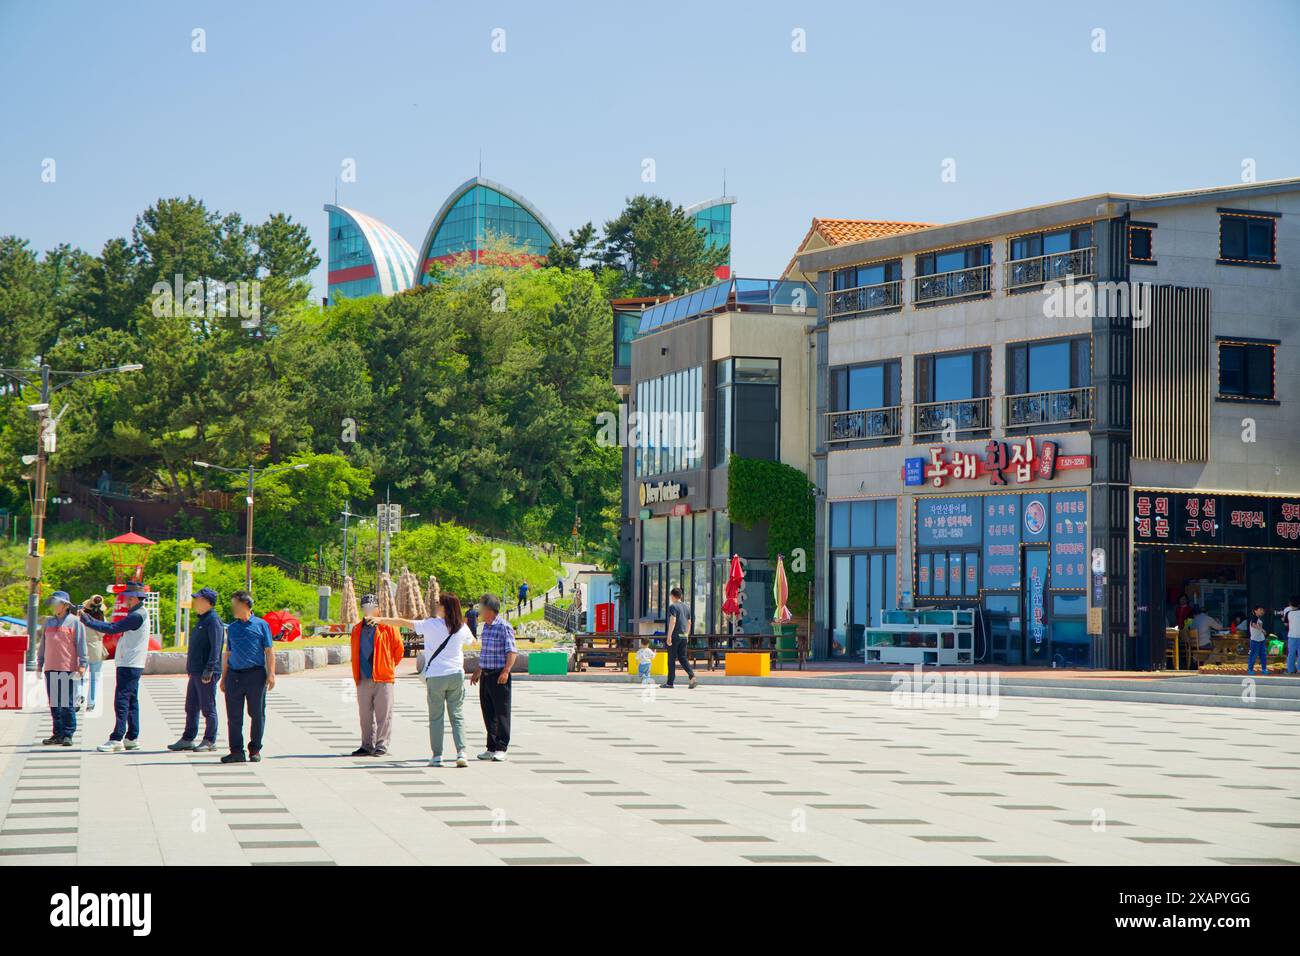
(1037, 566)
(863, 585)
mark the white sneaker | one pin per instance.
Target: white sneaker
(435, 761)
(499, 756)
(131, 744)
(485, 755)
(111, 747)
(462, 760)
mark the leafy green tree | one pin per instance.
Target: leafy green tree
(297, 510)
(658, 249)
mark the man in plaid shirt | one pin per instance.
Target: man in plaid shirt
(496, 658)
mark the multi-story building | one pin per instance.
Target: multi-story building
(1065, 416)
(725, 369)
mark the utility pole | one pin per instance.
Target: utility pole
(248, 499)
(46, 442)
(347, 513)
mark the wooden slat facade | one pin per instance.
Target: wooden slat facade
(1171, 375)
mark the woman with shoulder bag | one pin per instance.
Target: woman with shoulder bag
(445, 636)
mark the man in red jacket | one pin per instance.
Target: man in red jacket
(376, 650)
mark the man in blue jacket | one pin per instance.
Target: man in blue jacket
(202, 665)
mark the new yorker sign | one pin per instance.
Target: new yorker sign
(1003, 463)
(655, 491)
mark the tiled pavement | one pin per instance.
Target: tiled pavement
(607, 774)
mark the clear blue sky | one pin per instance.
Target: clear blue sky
(857, 126)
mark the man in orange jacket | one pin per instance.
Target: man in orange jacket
(376, 650)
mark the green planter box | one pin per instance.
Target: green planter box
(548, 662)
(787, 641)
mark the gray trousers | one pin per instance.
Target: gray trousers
(375, 706)
(446, 692)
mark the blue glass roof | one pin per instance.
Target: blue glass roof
(763, 294)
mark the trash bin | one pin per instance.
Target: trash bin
(13, 671)
(787, 641)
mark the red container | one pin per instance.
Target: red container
(13, 671)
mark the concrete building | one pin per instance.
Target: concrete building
(722, 370)
(1029, 414)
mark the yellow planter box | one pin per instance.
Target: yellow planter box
(658, 667)
(751, 664)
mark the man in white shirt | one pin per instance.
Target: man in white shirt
(445, 636)
(1204, 625)
(1291, 618)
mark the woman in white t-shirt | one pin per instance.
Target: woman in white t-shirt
(445, 636)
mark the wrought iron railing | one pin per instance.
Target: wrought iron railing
(959, 415)
(1076, 263)
(865, 298)
(1065, 406)
(866, 424)
(977, 280)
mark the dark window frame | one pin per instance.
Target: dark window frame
(1150, 229)
(1245, 346)
(1248, 222)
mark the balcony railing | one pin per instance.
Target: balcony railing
(867, 424)
(962, 415)
(1066, 406)
(1077, 263)
(865, 298)
(959, 283)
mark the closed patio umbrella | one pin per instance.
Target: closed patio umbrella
(781, 593)
(731, 591)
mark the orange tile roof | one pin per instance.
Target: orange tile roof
(839, 231)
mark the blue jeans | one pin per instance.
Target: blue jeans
(126, 703)
(1293, 655)
(1258, 652)
(643, 672)
(92, 695)
(61, 686)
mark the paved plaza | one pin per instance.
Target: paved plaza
(602, 773)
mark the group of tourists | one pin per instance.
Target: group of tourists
(238, 659)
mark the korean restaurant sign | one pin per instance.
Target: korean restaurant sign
(1003, 463)
(1226, 521)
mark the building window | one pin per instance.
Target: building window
(1141, 244)
(670, 412)
(947, 574)
(1247, 371)
(951, 387)
(747, 409)
(1247, 239)
(864, 402)
(866, 288)
(952, 274)
(863, 575)
(1048, 257)
(1049, 383)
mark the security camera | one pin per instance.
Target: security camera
(38, 408)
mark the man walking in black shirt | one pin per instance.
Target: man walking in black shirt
(679, 635)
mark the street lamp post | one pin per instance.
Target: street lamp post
(253, 471)
(43, 378)
(347, 513)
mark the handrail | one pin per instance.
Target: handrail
(965, 414)
(1035, 270)
(864, 298)
(1062, 406)
(865, 424)
(974, 280)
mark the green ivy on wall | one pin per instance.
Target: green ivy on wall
(770, 491)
